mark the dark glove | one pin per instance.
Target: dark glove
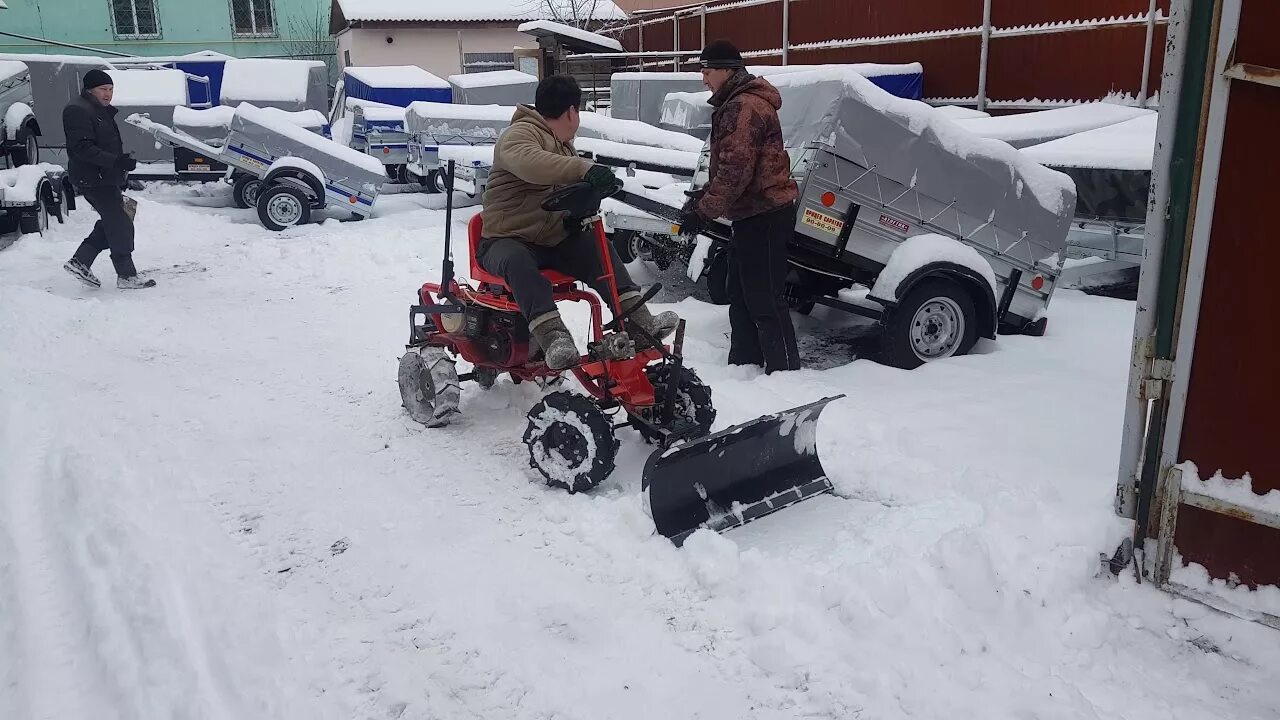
(602, 179)
(126, 163)
(691, 223)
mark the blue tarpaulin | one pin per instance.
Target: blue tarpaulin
(909, 86)
(198, 92)
(399, 86)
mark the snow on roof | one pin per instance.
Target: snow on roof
(467, 11)
(492, 79)
(9, 68)
(397, 76)
(863, 69)
(537, 27)
(51, 58)
(1047, 125)
(267, 80)
(1130, 145)
(142, 88)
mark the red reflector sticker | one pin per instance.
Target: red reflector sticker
(1037, 282)
(895, 223)
(353, 199)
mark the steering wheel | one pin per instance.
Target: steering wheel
(580, 199)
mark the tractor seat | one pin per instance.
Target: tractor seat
(475, 230)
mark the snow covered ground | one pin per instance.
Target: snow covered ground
(213, 506)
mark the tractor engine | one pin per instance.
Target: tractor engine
(501, 338)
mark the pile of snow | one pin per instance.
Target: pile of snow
(493, 78)
(396, 76)
(18, 185)
(10, 68)
(477, 10)
(220, 117)
(539, 28)
(1033, 128)
(956, 112)
(267, 80)
(275, 123)
(1051, 189)
(634, 132)
(1128, 145)
(149, 88)
(1239, 492)
(920, 250)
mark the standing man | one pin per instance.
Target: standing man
(99, 168)
(750, 185)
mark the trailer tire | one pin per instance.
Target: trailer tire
(433, 183)
(718, 278)
(571, 441)
(627, 243)
(36, 220)
(26, 148)
(283, 206)
(245, 190)
(935, 320)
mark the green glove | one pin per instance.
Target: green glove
(601, 178)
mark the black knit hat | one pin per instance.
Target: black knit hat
(721, 55)
(97, 78)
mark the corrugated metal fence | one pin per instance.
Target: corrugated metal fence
(1038, 52)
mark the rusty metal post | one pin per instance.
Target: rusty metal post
(1146, 57)
(675, 42)
(986, 49)
(786, 29)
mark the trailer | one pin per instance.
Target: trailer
(297, 171)
(953, 236)
(30, 195)
(497, 87)
(211, 126)
(19, 130)
(431, 126)
(369, 107)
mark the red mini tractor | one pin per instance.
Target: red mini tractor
(625, 372)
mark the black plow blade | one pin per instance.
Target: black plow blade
(737, 475)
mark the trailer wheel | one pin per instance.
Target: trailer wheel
(429, 388)
(627, 243)
(935, 320)
(283, 206)
(27, 149)
(245, 191)
(35, 220)
(718, 278)
(433, 183)
(571, 441)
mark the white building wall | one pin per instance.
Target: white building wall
(434, 50)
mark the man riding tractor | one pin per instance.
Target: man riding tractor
(531, 159)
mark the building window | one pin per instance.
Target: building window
(253, 18)
(484, 62)
(135, 18)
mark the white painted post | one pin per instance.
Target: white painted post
(675, 42)
(703, 12)
(642, 45)
(1146, 57)
(986, 48)
(786, 29)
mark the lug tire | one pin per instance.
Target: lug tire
(570, 441)
(429, 387)
(693, 403)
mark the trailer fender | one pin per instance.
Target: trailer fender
(302, 174)
(51, 197)
(973, 282)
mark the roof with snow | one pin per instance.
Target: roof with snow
(399, 76)
(465, 11)
(571, 36)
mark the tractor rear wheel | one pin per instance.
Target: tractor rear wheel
(429, 386)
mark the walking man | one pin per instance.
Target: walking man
(99, 168)
(750, 185)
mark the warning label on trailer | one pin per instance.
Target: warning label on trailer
(894, 223)
(822, 221)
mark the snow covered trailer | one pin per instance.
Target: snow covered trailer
(30, 194)
(951, 234)
(297, 171)
(55, 80)
(431, 126)
(1199, 473)
(373, 100)
(19, 130)
(498, 87)
(211, 127)
(155, 92)
(291, 85)
(1034, 128)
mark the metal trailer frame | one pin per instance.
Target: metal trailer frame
(54, 196)
(257, 151)
(382, 139)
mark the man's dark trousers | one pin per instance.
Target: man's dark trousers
(759, 318)
(113, 231)
(519, 264)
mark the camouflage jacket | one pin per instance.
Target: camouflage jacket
(750, 169)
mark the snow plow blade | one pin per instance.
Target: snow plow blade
(727, 479)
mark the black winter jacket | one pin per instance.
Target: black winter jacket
(93, 143)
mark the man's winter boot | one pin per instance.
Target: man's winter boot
(558, 348)
(134, 283)
(82, 273)
(659, 326)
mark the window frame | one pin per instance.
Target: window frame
(133, 7)
(254, 33)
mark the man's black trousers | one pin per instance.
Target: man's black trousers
(113, 231)
(759, 319)
(519, 264)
